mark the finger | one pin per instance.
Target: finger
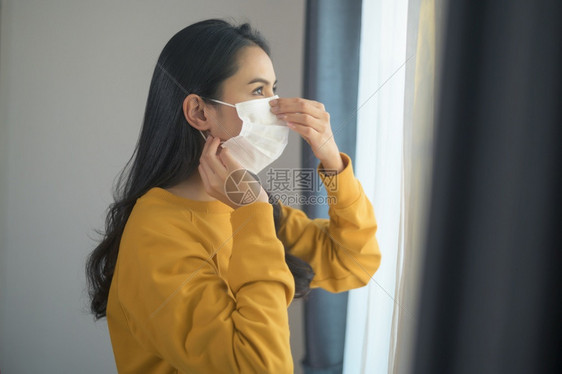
(213, 182)
(210, 147)
(229, 161)
(204, 160)
(211, 158)
(204, 178)
(298, 105)
(304, 120)
(206, 145)
(233, 165)
(285, 100)
(308, 133)
(215, 162)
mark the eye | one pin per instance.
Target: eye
(259, 91)
(274, 89)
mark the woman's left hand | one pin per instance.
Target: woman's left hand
(311, 121)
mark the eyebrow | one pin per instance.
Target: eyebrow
(261, 80)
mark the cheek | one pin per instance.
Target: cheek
(232, 125)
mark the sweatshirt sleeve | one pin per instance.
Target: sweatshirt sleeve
(343, 250)
(178, 307)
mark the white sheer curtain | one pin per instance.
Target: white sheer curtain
(379, 166)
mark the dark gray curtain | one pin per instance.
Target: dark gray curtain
(333, 33)
(490, 299)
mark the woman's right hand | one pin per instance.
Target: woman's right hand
(215, 168)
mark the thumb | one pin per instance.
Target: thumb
(228, 160)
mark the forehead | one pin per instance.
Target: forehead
(253, 62)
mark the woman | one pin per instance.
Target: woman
(192, 279)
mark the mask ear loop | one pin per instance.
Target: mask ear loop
(205, 138)
(201, 132)
(222, 102)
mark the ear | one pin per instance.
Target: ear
(195, 112)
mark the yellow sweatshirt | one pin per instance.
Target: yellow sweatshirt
(200, 287)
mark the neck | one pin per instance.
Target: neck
(192, 188)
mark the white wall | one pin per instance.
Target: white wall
(74, 78)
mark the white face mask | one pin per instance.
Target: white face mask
(263, 136)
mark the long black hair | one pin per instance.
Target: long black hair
(196, 60)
